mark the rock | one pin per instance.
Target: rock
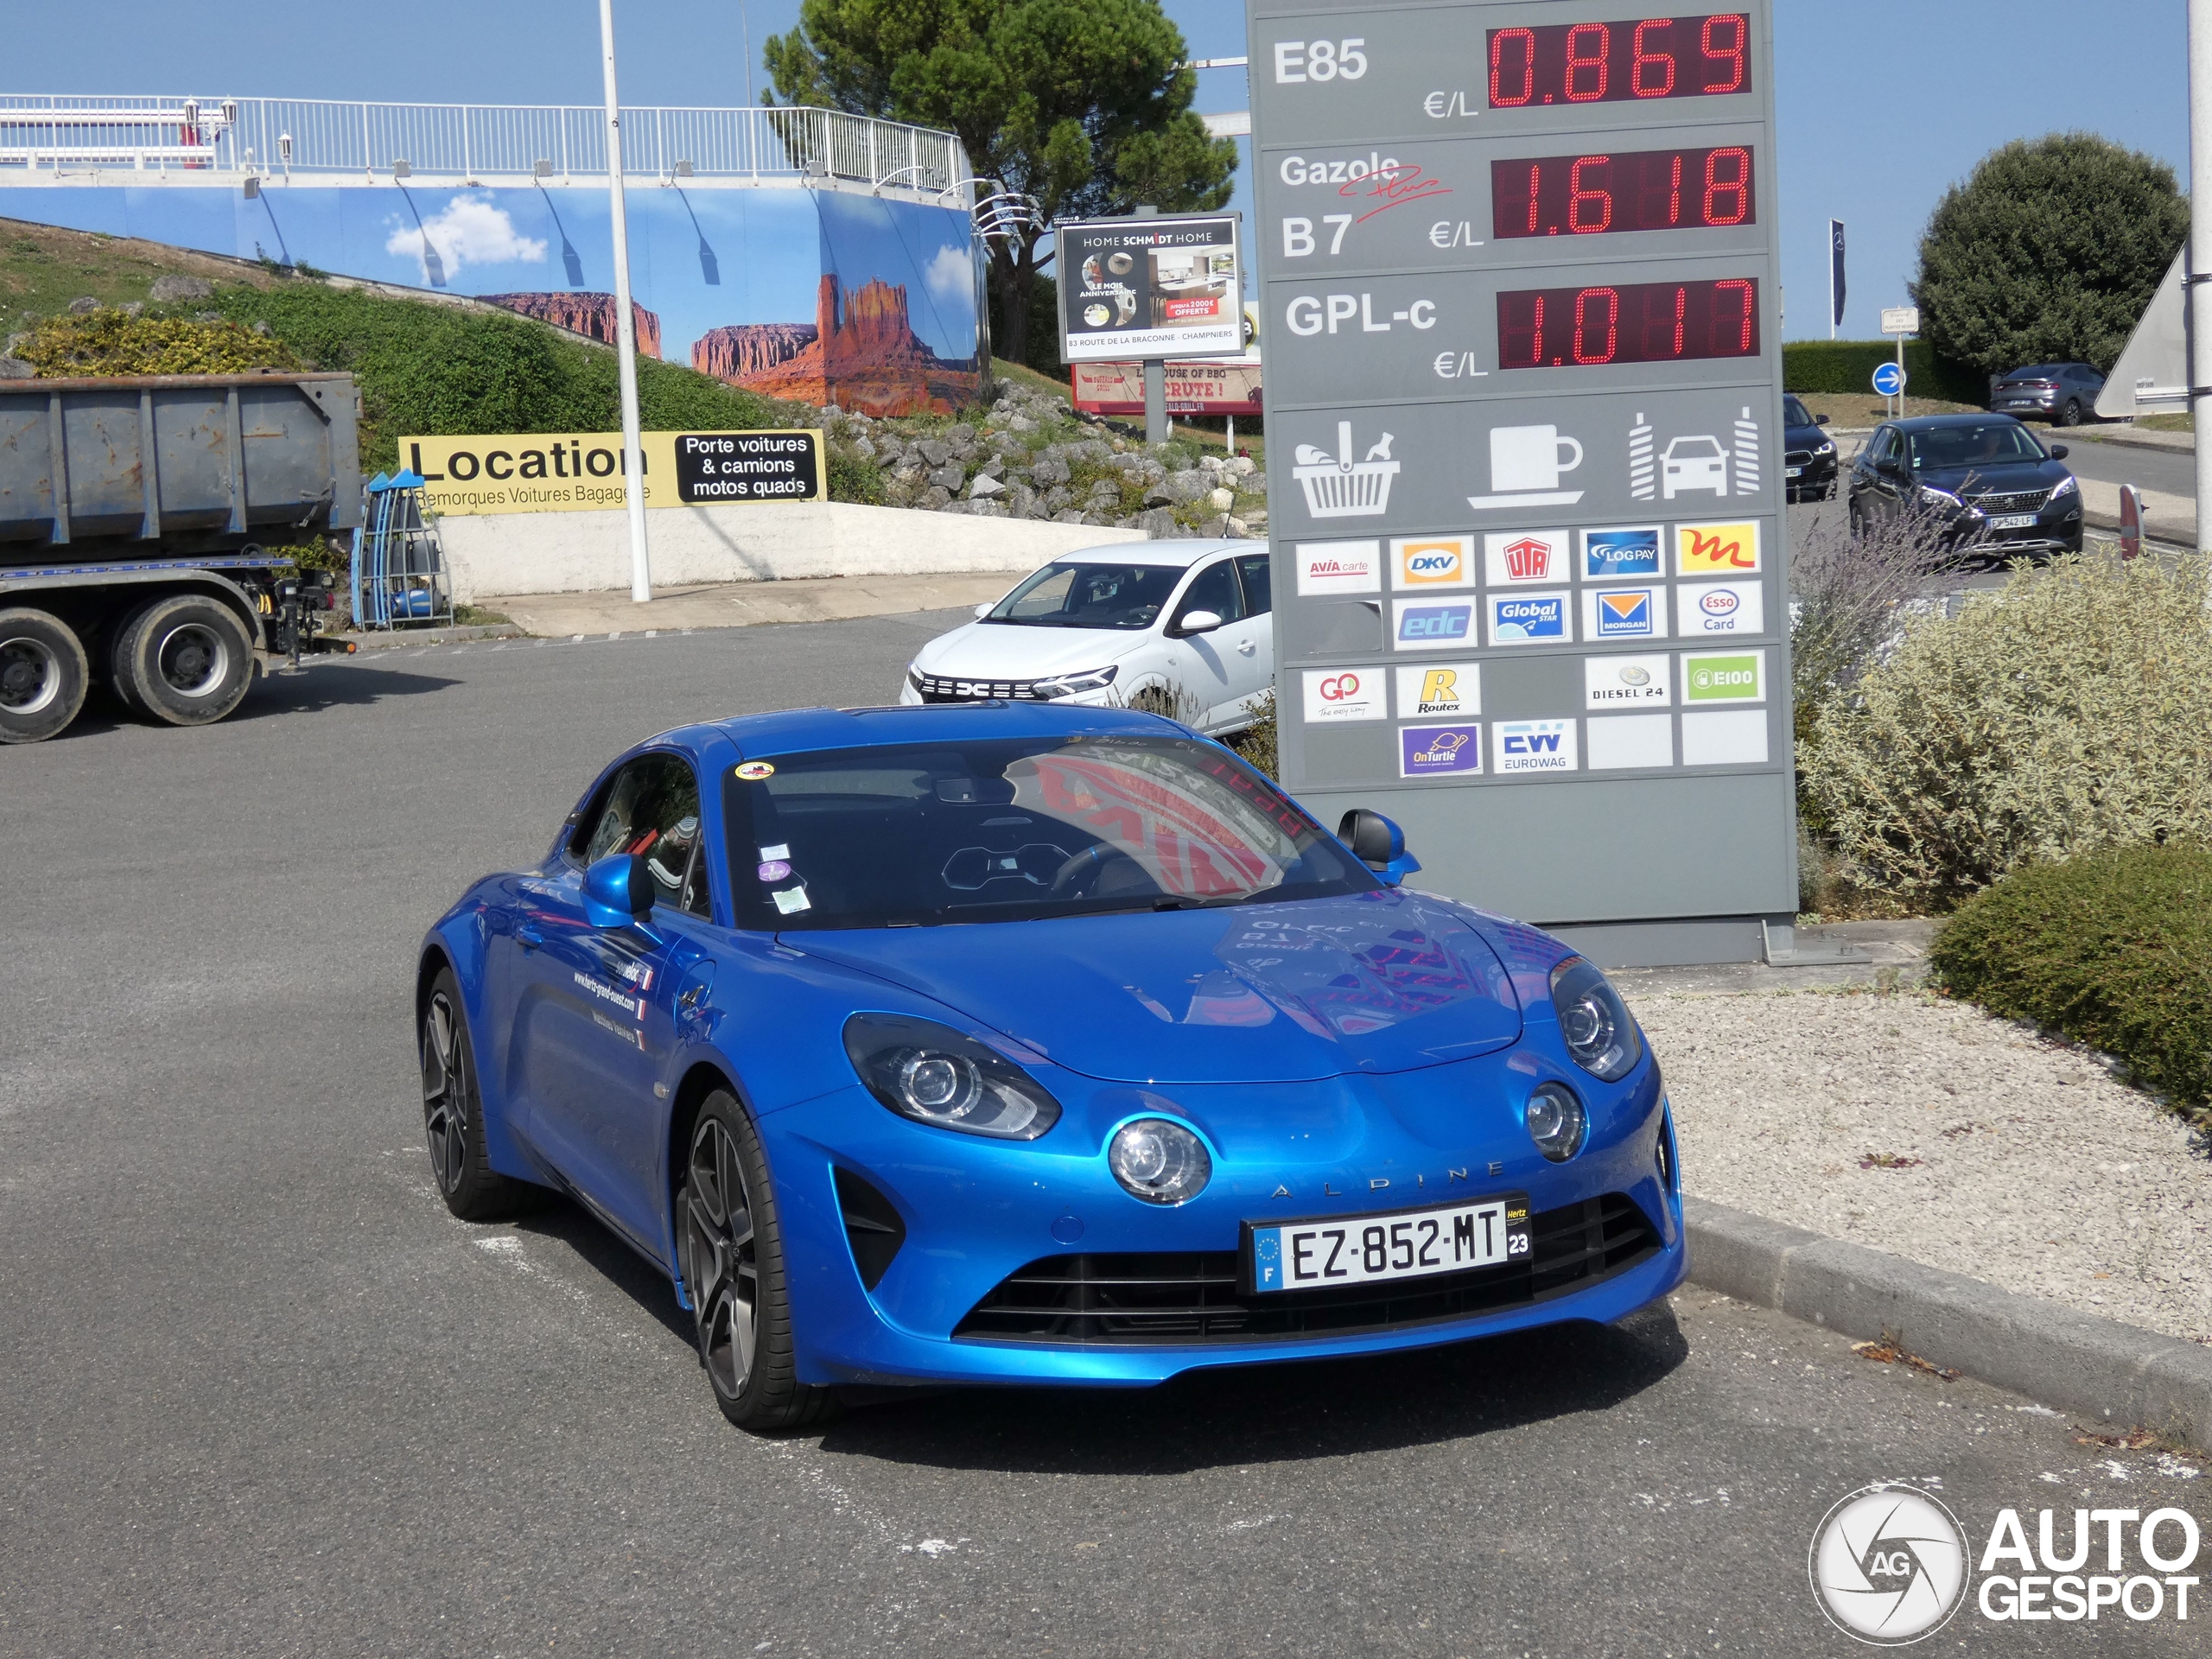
(864, 448)
(1057, 498)
(936, 451)
(1185, 487)
(1022, 502)
(995, 468)
(206, 316)
(1022, 423)
(1049, 468)
(1256, 483)
(14, 368)
(136, 309)
(1069, 516)
(1158, 525)
(1243, 466)
(983, 485)
(962, 440)
(78, 306)
(831, 412)
(262, 328)
(938, 498)
(1214, 528)
(988, 509)
(1158, 498)
(175, 286)
(1235, 526)
(1222, 500)
(948, 477)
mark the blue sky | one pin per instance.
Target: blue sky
(1881, 103)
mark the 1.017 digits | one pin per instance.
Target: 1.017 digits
(1644, 190)
(1628, 322)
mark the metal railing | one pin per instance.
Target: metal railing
(470, 142)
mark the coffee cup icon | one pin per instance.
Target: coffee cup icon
(1526, 465)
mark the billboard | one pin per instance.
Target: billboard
(582, 471)
(1201, 386)
(821, 296)
(1150, 287)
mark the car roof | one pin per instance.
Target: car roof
(792, 731)
(1175, 551)
(1935, 423)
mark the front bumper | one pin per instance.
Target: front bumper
(1816, 476)
(977, 1213)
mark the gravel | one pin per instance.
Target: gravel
(1925, 1127)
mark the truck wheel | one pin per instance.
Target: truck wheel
(42, 675)
(185, 659)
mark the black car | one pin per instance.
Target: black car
(1985, 480)
(1808, 454)
(2065, 394)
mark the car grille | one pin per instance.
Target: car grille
(1797, 458)
(2019, 501)
(1192, 1297)
(945, 688)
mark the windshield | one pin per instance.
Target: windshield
(1795, 413)
(1994, 442)
(2034, 372)
(1013, 830)
(1127, 596)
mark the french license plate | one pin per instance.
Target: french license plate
(2019, 403)
(2012, 521)
(1406, 1244)
(1793, 472)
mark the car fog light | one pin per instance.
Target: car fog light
(1555, 1121)
(1159, 1161)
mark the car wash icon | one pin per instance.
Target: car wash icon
(1337, 487)
(1693, 462)
(1526, 463)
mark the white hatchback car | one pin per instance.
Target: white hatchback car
(1180, 625)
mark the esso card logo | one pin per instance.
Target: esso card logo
(1716, 550)
(1626, 682)
(1724, 607)
(1439, 751)
(1529, 620)
(1339, 568)
(1434, 561)
(1526, 557)
(1625, 613)
(1614, 555)
(1448, 690)
(1340, 693)
(1534, 745)
(1739, 677)
(1433, 627)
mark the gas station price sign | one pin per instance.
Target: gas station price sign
(1519, 283)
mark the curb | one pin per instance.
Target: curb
(2147, 441)
(2098, 1368)
(388, 639)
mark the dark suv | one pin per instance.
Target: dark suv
(2065, 394)
(1985, 481)
(1808, 454)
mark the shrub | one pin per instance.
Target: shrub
(2114, 950)
(1848, 367)
(113, 342)
(1257, 742)
(2066, 712)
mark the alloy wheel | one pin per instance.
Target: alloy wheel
(722, 1267)
(448, 1095)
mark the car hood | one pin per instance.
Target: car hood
(1803, 437)
(1377, 982)
(1000, 650)
(1994, 478)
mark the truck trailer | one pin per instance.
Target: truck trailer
(135, 513)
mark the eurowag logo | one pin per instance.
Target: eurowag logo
(1535, 744)
(1430, 627)
(1527, 619)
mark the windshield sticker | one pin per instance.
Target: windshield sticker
(792, 900)
(754, 771)
(770, 855)
(1186, 843)
(774, 870)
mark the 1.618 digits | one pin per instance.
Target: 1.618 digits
(1603, 63)
(1627, 322)
(1644, 190)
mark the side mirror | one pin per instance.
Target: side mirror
(1379, 843)
(618, 891)
(985, 609)
(1197, 622)
(1820, 420)
(2058, 452)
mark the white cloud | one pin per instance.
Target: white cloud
(470, 231)
(950, 277)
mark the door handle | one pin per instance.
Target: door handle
(1246, 647)
(529, 938)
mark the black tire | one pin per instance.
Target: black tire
(733, 1271)
(2071, 415)
(186, 660)
(44, 675)
(452, 1113)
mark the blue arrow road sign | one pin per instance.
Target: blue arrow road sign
(1889, 379)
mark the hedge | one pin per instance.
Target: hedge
(2114, 950)
(1847, 365)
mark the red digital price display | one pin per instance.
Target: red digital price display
(1628, 322)
(1604, 63)
(1644, 190)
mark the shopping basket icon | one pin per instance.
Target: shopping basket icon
(1340, 487)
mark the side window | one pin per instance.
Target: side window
(651, 809)
(1215, 590)
(1883, 451)
(1258, 575)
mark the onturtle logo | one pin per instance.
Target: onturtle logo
(1889, 1565)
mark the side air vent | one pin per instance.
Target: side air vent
(873, 1226)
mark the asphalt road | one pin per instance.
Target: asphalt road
(260, 1394)
(2170, 472)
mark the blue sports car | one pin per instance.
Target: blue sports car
(1008, 1043)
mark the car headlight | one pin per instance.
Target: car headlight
(1069, 685)
(915, 675)
(1159, 1161)
(1594, 1021)
(1825, 446)
(2065, 488)
(933, 1074)
(1556, 1121)
(1934, 497)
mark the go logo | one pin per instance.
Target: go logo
(1337, 687)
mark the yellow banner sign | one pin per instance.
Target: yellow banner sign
(582, 471)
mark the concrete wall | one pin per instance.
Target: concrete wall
(589, 552)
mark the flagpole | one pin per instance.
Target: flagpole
(626, 327)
